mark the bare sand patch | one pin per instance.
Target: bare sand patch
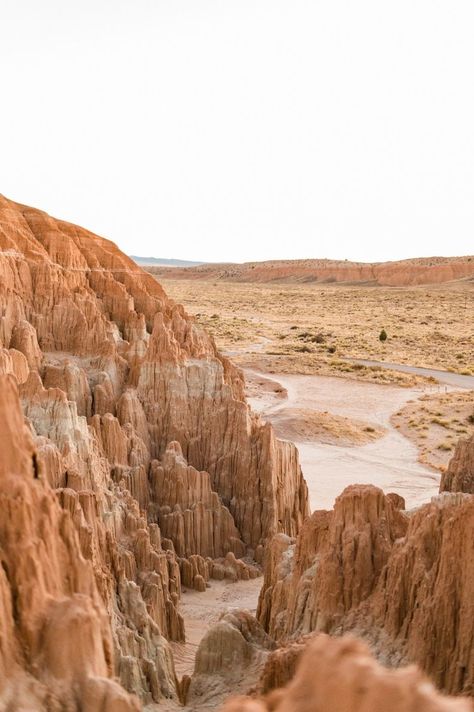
(306, 425)
(202, 610)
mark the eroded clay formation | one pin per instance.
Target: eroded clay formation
(131, 465)
(404, 582)
(140, 467)
(459, 477)
(340, 675)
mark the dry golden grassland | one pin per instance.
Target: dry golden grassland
(311, 328)
(435, 423)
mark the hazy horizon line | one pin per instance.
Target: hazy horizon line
(300, 259)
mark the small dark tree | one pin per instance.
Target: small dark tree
(383, 335)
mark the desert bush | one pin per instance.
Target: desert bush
(445, 446)
(303, 349)
(439, 421)
(383, 335)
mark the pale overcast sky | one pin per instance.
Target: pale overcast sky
(244, 129)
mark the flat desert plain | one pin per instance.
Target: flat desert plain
(299, 345)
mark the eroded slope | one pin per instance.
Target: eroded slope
(126, 397)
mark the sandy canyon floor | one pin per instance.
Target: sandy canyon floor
(202, 610)
(352, 422)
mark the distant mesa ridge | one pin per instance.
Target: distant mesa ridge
(402, 273)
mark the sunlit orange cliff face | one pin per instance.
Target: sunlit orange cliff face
(130, 463)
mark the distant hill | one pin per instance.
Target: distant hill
(162, 262)
(403, 273)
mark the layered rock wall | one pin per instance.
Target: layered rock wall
(122, 392)
(404, 273)
(188, 511)
(56, 646)
(459, 477)
(335, 564)
(404, 582)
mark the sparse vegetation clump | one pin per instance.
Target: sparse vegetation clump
(447, 447)
(383, 336)
(435, 423)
